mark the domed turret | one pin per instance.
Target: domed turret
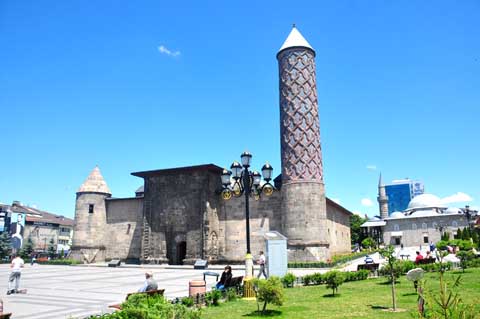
(425, 201)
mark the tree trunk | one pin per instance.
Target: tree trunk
(264, 307)
(393, 293)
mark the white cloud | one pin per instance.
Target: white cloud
(366, 202)
(164, 50)
(372, 167)
(336, 200)
(359, 213)
(457, 198)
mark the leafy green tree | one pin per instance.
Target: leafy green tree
(465, 257)
(51, 249)
(368, 242)
(356, 232)
(5, 245)
(269, 291)
(389, 254)
(459, 234)
(334, 279)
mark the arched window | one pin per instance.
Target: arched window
(435, 225)
(424, 226)
(455, 224)
(414, 226)
(396, 227)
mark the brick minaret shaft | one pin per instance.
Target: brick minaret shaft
(303, 191)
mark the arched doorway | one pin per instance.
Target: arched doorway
(181, 252)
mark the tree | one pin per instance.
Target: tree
(27, 249)
(368, 242)
(269, 291)
(5, 245)
(389, 254)
(459, 234)
(356, 232)
(465, 257)
(334, 279)
(51, 249)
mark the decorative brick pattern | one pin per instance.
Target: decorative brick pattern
(299, 123)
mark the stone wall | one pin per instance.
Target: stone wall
(338, 230)
(124, 228)
(415, 229)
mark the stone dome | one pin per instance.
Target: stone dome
(425, 201)
(424, 213)
(453, 210)
(397, 215)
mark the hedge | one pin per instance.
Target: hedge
(336, 260)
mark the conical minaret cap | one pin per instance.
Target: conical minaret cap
(295, 39)
(94, 183)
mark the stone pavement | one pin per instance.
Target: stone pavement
(78, 291)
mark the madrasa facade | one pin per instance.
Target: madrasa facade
(179, 216)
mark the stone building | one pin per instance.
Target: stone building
(41, 227)
(425, 220)
(178, 216)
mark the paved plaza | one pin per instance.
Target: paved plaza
(78, 291)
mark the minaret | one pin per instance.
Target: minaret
(90, 219)
(382, 199)
(303, 192)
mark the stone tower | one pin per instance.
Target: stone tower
(90, 219)
(382, 199)
(304, 216)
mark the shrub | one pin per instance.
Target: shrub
(334, 279)
(269, 291)
(59, 262)
(318, 278)
(465, 257)
(187, 301)
(288, 280)
(212, 297)
(307, 279)
(356, 275)
(145, 307)
(231, 294)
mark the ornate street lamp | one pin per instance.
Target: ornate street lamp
(248, 183)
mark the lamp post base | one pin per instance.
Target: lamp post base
(248, 266)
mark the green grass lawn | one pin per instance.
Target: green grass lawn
(360, 299)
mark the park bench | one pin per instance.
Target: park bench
(158, 292)
(373, 267)
(425, 261)
(5, 315)
(236, 282)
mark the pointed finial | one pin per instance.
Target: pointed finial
(380, 183)
(293, 26)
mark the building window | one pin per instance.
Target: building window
(414, 226)
(424, 226)
(398, 241)
(396, 227)
(425, 239)
(435, 225)
(90, 208)
(455, 224)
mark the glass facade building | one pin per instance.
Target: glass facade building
(401, 193)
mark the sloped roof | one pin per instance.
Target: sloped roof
(34, 214)
(94, 183)
(295, 39)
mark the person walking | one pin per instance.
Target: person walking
(261, 261)
(16, 266)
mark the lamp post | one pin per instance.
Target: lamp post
(248, 183)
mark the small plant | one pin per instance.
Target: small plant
(288, 280)
(318, 278)
(212, 297)
(307, 279)
(334, 279)
(187, 301)
(389, 254)
(231, 294)
(368, 243)
(465, 257)
(269, 291)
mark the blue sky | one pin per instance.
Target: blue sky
(140, 85)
